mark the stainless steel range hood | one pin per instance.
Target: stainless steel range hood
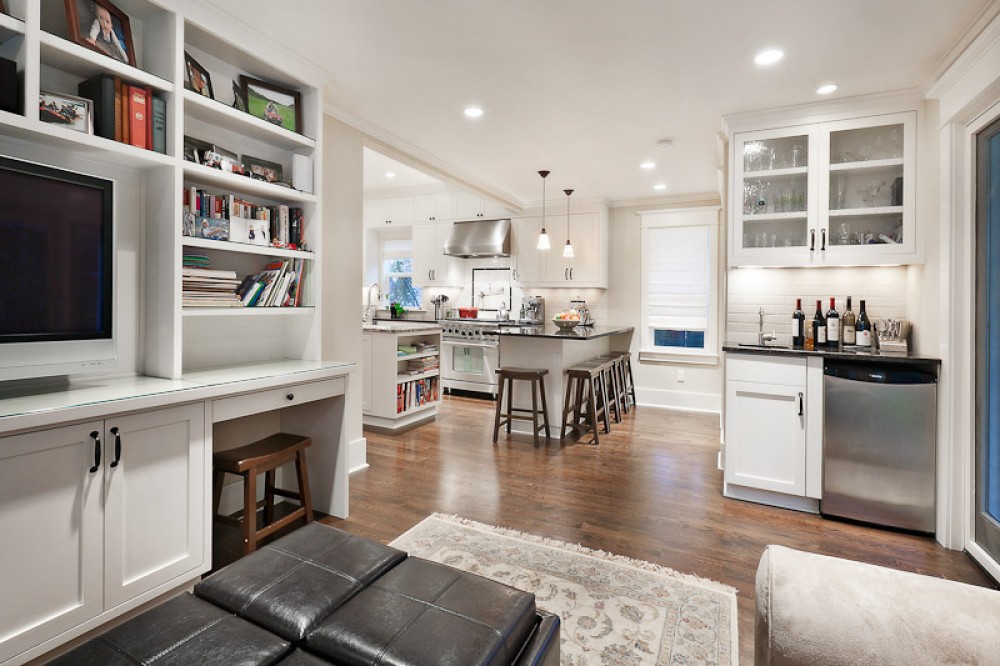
(479, 238)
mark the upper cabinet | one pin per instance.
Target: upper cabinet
(833, 193)
(431, 266)
(432, 207)
(588, 234)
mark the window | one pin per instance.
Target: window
(397, 273)
(680, 285)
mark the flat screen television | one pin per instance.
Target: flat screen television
(56, 272)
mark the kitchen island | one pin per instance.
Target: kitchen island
(556, 350)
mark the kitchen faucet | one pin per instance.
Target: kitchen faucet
(369, 312)
(762, 337)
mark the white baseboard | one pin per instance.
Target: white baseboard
(991, 566)
(686, 401)
(805, 504)
(357, 455)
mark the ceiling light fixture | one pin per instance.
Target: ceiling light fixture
(543, 238)
(473, 112)
(390, 174)
(647, 165)
(659, 186)
(568, 250)
(826, 89)
(768, 57)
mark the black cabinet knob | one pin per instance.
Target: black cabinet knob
(290, 396)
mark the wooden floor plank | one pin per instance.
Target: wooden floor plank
(651, 490)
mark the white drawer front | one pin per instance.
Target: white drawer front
(272, 399)
(784, 370)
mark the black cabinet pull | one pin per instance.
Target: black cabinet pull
(118, 446)
(801, 411)
(290, 396)
(812, 240)
(822, 235)
(96, 436)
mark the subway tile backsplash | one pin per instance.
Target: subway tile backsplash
(883, 288)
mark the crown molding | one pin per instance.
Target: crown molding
(975, 42)
(692, 200)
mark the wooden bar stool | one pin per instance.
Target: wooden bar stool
(586, 401)
(508, 376)
(616, 385)
(627, 374)
(623, 388)
(263, 456)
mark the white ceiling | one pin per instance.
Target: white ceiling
(585, 88)
(378, 167)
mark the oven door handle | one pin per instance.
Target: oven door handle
(481, 345)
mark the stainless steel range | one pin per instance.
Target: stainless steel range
(470, 355)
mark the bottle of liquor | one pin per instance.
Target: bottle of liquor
(848, 324)
(832, 325)
(864, 328)
(819, 327)
(798, 325)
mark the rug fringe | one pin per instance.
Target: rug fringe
(691, 579)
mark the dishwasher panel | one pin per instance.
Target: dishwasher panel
(879, 441)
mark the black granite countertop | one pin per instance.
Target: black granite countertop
(846, 355)
(552, 331)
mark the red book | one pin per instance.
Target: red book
(149, 117)
(138, 112)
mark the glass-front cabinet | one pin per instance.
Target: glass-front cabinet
(837, 193)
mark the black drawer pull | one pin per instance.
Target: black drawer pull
(290, 396)
(118, 446)
(96, 436)
(801, 411)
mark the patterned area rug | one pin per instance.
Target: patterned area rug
(614, 610)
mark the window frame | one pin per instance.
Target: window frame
(386, 255)
(650, 220)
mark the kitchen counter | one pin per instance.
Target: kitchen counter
(860, 356)
(400, 327)
(553, 331)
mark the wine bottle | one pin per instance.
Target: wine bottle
(849, 322)
(819, 327)
(832, 325)
(798, 325)
(864, 327)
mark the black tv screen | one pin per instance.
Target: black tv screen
(55, 254)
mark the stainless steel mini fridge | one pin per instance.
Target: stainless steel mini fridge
(879, 436)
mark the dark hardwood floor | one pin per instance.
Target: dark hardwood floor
(651, 490)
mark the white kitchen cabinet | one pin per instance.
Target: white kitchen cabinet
(833, 193)
(366, 372)
(773, 430)
(96, 514)
(431, 266)
(400, 395)
(526, 260)
(470, 206)
(434, 207)
(588, 268)
(394, 210)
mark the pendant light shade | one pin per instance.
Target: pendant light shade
(543, 238)
(568, 250)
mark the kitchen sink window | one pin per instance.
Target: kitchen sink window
(397, 273)
(680, 285)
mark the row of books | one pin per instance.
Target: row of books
(278, 285)
(126, 112)
(229, 217)
(416, 393)
(206, 287)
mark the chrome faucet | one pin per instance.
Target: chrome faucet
(762, 337)
(369, 311)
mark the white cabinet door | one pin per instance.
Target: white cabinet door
(366, 374)
(51, 573)
(766, 436)
(376, 212)
(401, 210)
(468, 206)
(585, 267)
(526, 258)
(155, 499)
(431, 266)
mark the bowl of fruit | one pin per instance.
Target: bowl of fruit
(567, 321)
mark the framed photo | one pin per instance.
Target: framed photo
(195, 149)
(99, 25)
(263, 170)
(273, 103)
(238, 102)
(196, 77)
(66, 110)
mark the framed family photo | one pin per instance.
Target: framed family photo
(270, 172)
(67, 110)
(196, 77)
(100, 25)
(273, 103)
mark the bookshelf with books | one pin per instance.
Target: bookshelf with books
(402, 368)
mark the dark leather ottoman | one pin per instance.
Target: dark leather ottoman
(182, 631)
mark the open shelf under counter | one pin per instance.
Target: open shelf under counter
(408, 357)
(203, 175)
(419, 408)
(69, 57)
(10, 27)
(297, 311)
(866, 165)
(402, 379)
(245, 248)
(867, 211)
(216, 113)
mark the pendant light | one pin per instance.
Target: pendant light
(568, 250)
(543, 238)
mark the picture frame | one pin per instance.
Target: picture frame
(101, 26)
(273, 103)
(195, 149)
(76, 113)
(197, 78)
(270, 172)
(239, 103)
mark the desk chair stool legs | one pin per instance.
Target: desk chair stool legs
(507, 377)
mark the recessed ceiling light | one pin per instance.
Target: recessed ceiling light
(473, 111)
(390, 174)
(768, 57)
(659, 186)
(647, 165)
(826, 89)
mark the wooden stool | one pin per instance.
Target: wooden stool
(586, 401)
(265, 455)
(533, 375)
(621, 372)
(627, 374)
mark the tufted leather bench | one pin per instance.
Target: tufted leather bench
(323, 596)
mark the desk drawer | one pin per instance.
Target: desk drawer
(236, 407)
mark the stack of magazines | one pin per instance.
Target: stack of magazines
(203, 286)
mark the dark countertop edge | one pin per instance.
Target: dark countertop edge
(885, 357)
(552, 332)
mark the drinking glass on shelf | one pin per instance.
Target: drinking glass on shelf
(762, 195)
(797, 155)
(839, 192)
